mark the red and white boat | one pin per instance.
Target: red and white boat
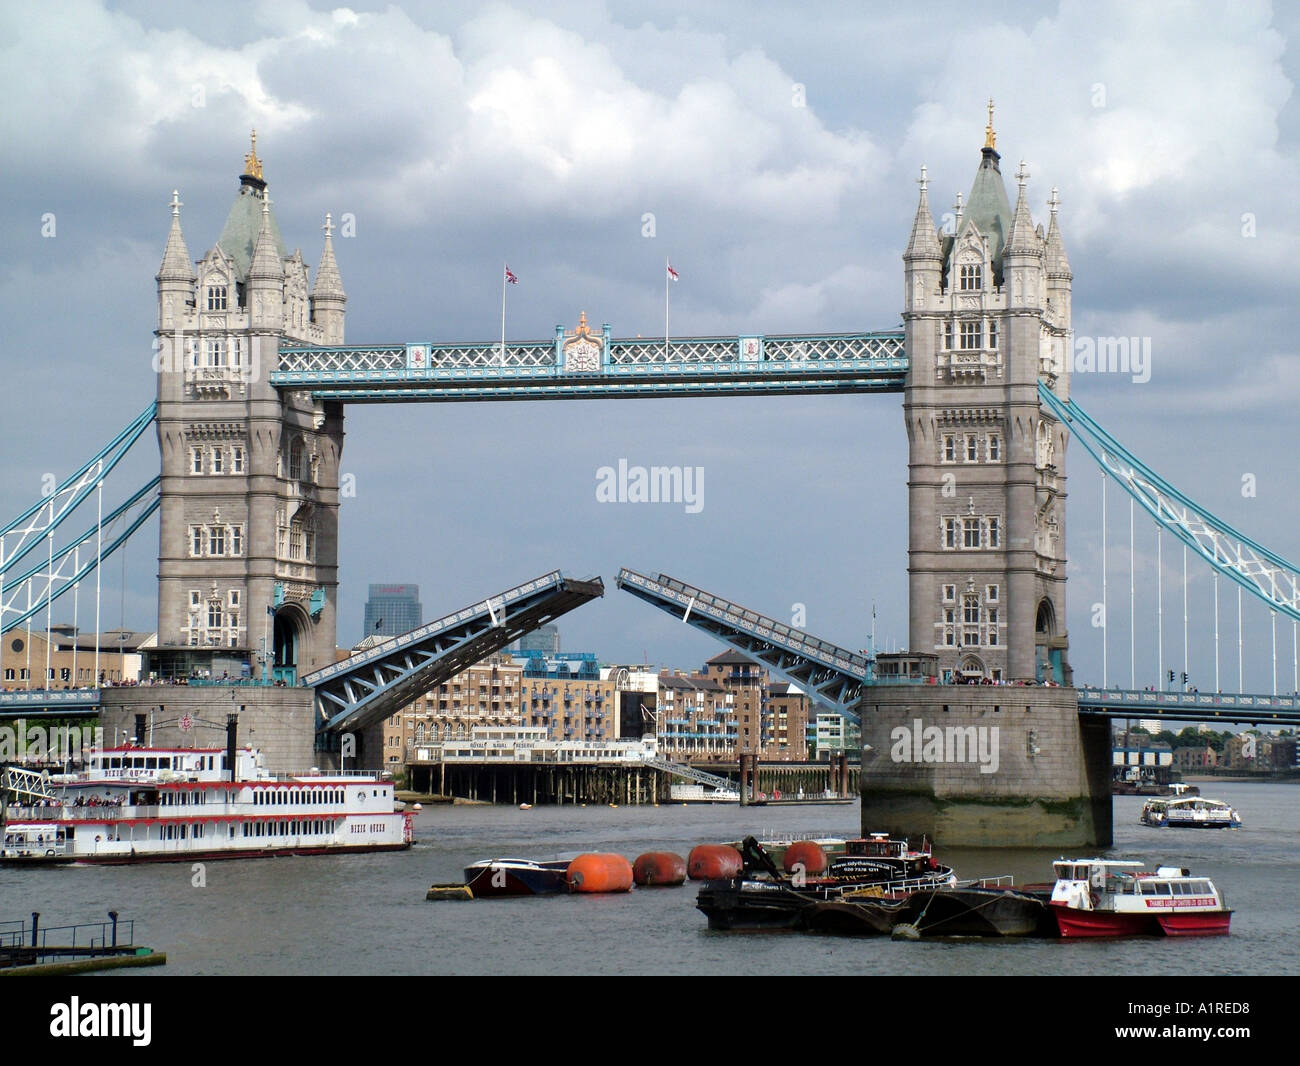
(137, 804)
(1102, 897)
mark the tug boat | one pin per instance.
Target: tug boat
(136, 804)
(1105, 898)
(1189, 812)
(764, 897)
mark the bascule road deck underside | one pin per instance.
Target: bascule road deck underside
(371, 685)
(828, 673)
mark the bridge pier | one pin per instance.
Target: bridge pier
(279, 722)
(984, 766)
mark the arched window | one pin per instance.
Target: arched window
(419, 732)
(297, 464)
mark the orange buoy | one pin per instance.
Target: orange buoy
(808, 855)
(713, 862)
(659, 868)
(599, 872)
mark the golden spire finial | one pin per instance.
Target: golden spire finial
(990, 138)
(582, 322)
(253, 165)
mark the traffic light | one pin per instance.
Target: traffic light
(1184, 677)
(1171, 675)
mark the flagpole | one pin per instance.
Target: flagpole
(504, 268)
(667, 280)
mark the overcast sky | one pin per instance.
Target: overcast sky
(462, 135)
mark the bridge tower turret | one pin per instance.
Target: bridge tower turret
(987, 315)
(248, 544)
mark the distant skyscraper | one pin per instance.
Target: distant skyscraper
(392, 610)
(544, 639)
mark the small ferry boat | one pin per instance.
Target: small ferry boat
(137, 804)
(1105, 898)
(516, 877)
(1189, 812)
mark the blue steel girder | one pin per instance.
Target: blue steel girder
(372, 684)
(61, 571)
(1190, 706)
(687, 366)
(827, 673)
(31, 528)
(50, 703)
(1261, 572)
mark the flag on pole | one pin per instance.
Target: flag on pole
(672, 274)
(510, 277)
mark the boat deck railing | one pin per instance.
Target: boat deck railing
(23, 943)
(886, 889)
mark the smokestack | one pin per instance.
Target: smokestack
(232, 731)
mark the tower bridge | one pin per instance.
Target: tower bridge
(254, 376)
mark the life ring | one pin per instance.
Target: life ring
(1094, 899)
(762, 795)
(49, 852)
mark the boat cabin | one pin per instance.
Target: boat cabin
(1091, 884)
(877, 846)
(137, 764)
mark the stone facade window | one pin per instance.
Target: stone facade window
(970, 336)
(216, 297)
(971, 533)
(972, 277)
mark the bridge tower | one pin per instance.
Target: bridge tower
(986, 317)
(248, 542)
(987, 314)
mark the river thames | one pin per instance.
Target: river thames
(366, 914)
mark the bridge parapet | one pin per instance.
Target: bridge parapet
(1190, 706)
(25, 701)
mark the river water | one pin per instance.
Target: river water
(366, 914)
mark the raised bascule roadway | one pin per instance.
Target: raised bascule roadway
(254, 376)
